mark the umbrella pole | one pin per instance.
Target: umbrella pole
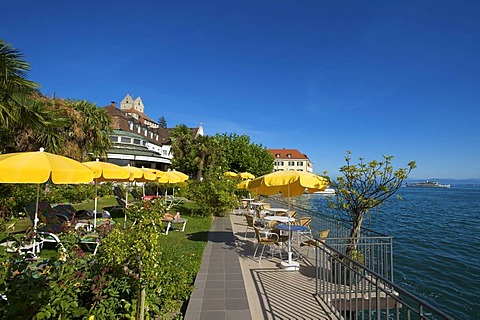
(35, 222)
(96, 206)
(126, 205)
(289, 265)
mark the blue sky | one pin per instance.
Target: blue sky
(398, 78)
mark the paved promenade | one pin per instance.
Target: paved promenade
(231, 284)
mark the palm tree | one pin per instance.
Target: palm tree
(182, 141)
(13, 83)
(21, 117)
(92, 128)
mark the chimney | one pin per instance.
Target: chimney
(113, 104)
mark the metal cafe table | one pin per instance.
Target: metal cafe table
(282, 219)
(290, 265)
(277, 210)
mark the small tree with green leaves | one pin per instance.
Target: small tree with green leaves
(364, 186)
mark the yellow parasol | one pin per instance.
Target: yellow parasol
(156, 172)
(106, 171)
(246, 175)
(136, 175)
(289, 183)
(139, 174)
(39, 167)
(244, 184)
(230, 174)
(173, 177)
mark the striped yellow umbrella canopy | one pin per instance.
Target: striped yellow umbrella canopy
(288, 183)
(173, 177)
(246, 175)
(230, 174)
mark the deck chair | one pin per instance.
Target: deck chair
(252, 223)
(121, 204)
(306, 222)
(136, 195)
(149, 193)
(313, 243)
(120, 198)
(24, 246)
(81, 219)
(117, 192)
(292, 214)
(265, 241)
(50, 226)
(49, 223)
(282, 239)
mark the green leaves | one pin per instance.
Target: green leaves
(364, 186)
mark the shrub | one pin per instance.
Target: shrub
(214, 195)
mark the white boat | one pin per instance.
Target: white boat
(326, 191)
(427, 184)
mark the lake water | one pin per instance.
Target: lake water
(436, 235)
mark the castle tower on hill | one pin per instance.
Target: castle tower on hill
(128, 103)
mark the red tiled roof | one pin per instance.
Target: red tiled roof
(120, 122)
(283, 154)
(141, 114)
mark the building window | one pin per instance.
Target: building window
(114, 138)
(291, 163)
(289, 155)
(277, 155)
(300, 170)
(280, 163)
(300, 163)
(137, 141)
(125, 140)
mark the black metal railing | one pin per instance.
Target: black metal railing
(360, 285)
(353, 291)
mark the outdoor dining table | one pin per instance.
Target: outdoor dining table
(282, 219)
(277, 210)
(248, 201)
(258, 204)
(290, 229)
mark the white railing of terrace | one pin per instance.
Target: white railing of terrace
(353, 291)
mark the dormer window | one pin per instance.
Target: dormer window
(289, 155)
(277, 155)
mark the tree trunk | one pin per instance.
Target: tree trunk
(354, 233)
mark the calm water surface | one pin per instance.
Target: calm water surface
(436, 244)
